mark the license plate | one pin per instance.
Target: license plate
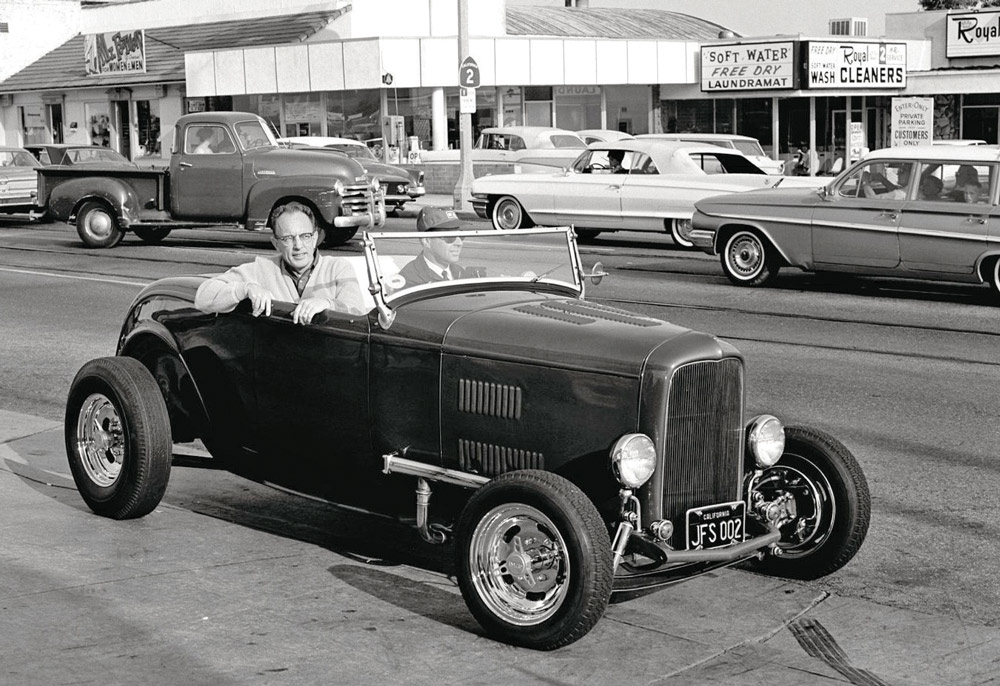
(716, 526)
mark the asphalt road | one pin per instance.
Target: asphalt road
(905, 374)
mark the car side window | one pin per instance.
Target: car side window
(202, 139)
(517, 143)
(877, 179)
(964, 183)
(642, 164)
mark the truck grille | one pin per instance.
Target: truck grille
(703, 442)
(357, 199)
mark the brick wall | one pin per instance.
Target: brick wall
(441, 177)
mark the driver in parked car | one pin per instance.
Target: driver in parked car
(297, 274)
(438, 261)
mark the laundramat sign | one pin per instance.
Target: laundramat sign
(748, 66)
(855, 65)
(973, 34)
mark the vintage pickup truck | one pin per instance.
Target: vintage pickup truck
(225, 168)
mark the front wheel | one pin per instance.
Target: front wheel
(680, 232)
(534, 560)
(509, 214)
(152, 234)
(748, 260)
(117, 435)
(994, 277)
(97, 226)
(832, 505)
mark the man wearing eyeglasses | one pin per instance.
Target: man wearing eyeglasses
(438, 261)
(297, 274)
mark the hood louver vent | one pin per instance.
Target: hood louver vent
(490, 399)
(491, 460)
(583, 312)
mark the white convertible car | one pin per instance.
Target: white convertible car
(654, 189)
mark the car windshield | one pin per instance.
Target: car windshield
(254, 134)
(749, 148)
(82, 155)
(564, 141)
(411, 262)
(358, 152)
(17, 158)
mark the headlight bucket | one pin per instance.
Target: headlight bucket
(766, 440)
(633, 458)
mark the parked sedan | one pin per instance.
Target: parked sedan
(530, 148)
(18, 180)
(71, 154)
(745, 144)
(926, 212)
(399, 185)
(569, 450)
(654, 190)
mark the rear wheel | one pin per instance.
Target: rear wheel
(152, 234)
(97, 226)
(118, 441)
(748, 260)
(680, 232)
(509, 214)
(534, 560)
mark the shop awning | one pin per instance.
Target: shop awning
(609, 22)
(64, 67)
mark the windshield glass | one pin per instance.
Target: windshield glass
(749, 148)
(17, 158)
(254, 134)
(411, 262)
(358, 152)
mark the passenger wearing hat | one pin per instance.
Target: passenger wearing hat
(438, 261)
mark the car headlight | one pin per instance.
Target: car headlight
(633, 458)
(766, 440)
(375, 184)
(338, 186)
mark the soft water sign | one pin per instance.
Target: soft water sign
(856, 65)
(115, 52)
(973, 34)
(748, 66)
(912, 121)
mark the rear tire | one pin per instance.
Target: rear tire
(508, 214)
(748, 260)
(153, 234)
(117, 434)
(680, 231)
(97, 226)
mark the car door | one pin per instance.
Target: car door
(313, 403)
(948, 231)
(647, 198)
(590, 195)
(857, 224)
(207, 185)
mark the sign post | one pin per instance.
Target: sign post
(468, 77)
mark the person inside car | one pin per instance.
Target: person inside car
(878, 186)
(930, 187)
(967, 185)
(438, 261)
(615, 158)
(297, 274)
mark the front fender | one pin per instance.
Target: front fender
(66, 199)
(316, 190)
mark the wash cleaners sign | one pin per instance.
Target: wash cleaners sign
(748, 66)
(855, 65)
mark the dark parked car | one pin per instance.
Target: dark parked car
(67, 154)
(568, 449)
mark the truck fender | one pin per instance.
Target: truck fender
(316, 191)
(67, 198)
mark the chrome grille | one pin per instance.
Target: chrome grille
(357, 199)
(703, 443)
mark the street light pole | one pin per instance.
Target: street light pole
(463, 189)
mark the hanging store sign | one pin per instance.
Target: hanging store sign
(115, 52)
(748, 66)
(912, 121)
(972, 34)
(855, 65)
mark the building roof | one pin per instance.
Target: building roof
(608, 23)
(64, 67)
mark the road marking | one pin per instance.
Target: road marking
(72, 276)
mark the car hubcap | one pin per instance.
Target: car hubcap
(746, 256)
(509, 215)
(520, 567)
(682, 231)
(99, 224)
(100, 440)
(814, 504)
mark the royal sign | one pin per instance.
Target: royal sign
(845, 64)
(748, 66)
(973, 34)
(115, 52)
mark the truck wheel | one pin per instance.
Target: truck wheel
(534, 560)
(152, 234)
(508, 214)
(118, 437)
(832, 503)
(98, 226)
(338, 236)
(748, 260)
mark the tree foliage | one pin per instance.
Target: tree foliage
(957, 4)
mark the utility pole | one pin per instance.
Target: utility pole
(463, 189)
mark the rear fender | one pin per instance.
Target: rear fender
(316, 191)
(66, 199)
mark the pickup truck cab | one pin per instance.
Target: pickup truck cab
(226, 168)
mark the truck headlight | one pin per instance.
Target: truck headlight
(338, 186)
(766, 440)
(633, 458)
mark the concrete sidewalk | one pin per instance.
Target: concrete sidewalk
(230, 582)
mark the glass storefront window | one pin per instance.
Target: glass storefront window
(147, 114)
(512, 112)
(303, 114)
(578, 107)
(354, 114)
(627, 108)
(538, 106)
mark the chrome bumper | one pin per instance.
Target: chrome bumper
(703, 239)
(480, 207)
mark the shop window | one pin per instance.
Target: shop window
(628, 108)
(538, 106)
(578, 107)
(147, 114)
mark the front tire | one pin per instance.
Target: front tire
(97, 226)
(534, 560)
(680, 232)
(117, 434)
(993, 277)
(748, 260)
(152, 234)
(508, 214)
(832, 502)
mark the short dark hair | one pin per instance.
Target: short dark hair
(293, 206)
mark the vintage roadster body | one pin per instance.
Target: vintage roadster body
(567, 449)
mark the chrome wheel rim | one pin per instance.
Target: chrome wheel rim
(98, 223)
(508, 215)
(519, 563)
(814, 502)
(100, 440)
(680, 230)
(745, 256)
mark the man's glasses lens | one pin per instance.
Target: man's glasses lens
(304, 237)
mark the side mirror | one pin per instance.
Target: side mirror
(597, 273)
